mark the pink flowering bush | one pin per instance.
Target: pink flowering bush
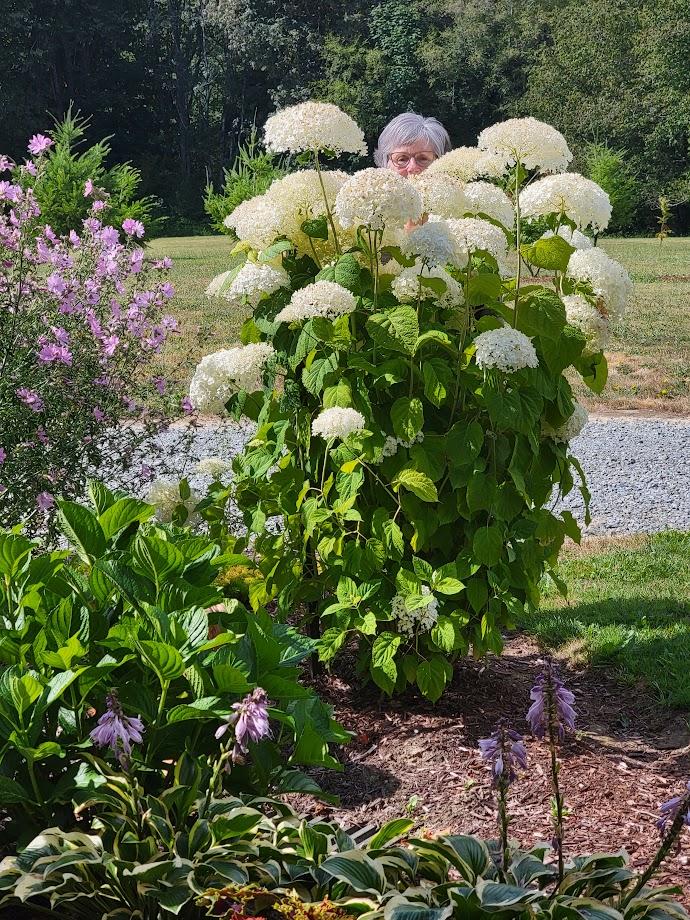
(82, 319)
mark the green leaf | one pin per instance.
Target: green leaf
(594, 370)
(230, 679)
(431, 678)
(464, 442)
(397, 330)
(82, 529)
(165, 660)
(338, 395)
(495, 895)
(270, 253)
(383, 667)
(124, 512)
(12, 793)
(315, 375)
(407, 415)
(14, 550)
(417, 483)
(437, 378)
(553, 253)
(542, 314)
(317, 228)
(357, 870)
(443, 634)
(158, 558)
(487, 545)
(483, 289)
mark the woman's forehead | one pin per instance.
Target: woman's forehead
(419, 146)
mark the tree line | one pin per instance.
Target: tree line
(179, 83)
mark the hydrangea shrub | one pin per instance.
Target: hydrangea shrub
(409, 383)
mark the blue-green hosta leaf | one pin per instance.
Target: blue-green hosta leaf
(357, 870)
(409, 910)
(391, 831)
(494, 895)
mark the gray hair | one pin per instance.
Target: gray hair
(406, 129)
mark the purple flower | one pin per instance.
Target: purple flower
(160, 384)
(30, 398)
(56, 284)
(41, 435)
(250, 720)
(98, 414)
(88, 188)
(44, 501)
(551, 700)
(60, 353)
(38, 144)
(3, 455)
(98, 205)
(5, 163)
(167, 290)
(669, 810)
(30, 167)
(74, 238)
(504, 749)
(116, 730)
(133, 227)
(61, 335)
(146, 472)
(186, 405)
(10, 192)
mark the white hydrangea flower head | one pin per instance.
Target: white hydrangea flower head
(580, 199)
(213, 466)
(505, 349)
(314, 126)
(574, 237)
(378, 198)
(609, 280)
(165, 496)
(467, 164)
(337, 422)
(214, 286)
(580, 313)
(322, 298)
(253, 281)
(257, 221)
(441, 193)
(406, 286)
(220, 375)
(572, 428)
(299, 197)
(420, 620)
(487, 198)
(434, 243)
(473, 233)
(536, 145)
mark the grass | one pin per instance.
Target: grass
(628, 607)
(649, 356)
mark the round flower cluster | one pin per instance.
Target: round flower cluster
(313, 126)
(535, 144)
(166, 497)
(434, 243)
(322, 298)
(507, 349)
(466, 164)
(421, 619)
(213, 466)
(337, 423)
(406, 286)
(258, 221)
(377, 198)
(574, 237)
(609, 280)
(580, 199)
(254, 280)
(216, 284)
(220, 375)
(580, 313)
(572, 426)
(442, 194)
(299, 196)
(487, 198)
(472, 233)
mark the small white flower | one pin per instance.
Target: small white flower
(377, 198)
(608, 279)
(253, 281)
(220, 375)
(165, 495)
(489, 199)
(580, 313)
(535, 144)
(467, 164)
(580, 199)
(574, 237)
(434, 243)
(337, 423)
(506, 349)
(572, 427)
(472, 234)
(313, 126)
(213, 466)
(419, 620)
(322, 298)
(407, 286)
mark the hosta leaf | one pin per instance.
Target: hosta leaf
(357, 870)
(165, 660)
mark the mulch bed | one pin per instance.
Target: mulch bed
(410, 757)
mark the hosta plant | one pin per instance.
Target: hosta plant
(407, 366)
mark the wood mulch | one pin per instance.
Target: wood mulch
(409, 757)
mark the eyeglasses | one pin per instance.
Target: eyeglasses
(401, 160)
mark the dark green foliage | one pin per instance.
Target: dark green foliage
(611, 170)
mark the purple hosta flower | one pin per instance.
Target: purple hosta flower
(250, 721)
(133, 227)
(549, 692)
(88, 188)
(38, 144)
(116, 730)
(30, 398)
(504, 750)
(50, 353)
(44, 501)
(669, 810)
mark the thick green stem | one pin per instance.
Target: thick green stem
(518, 276)
(34, 783)
(329, 215)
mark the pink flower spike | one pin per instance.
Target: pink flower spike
(44, 501)
(133, 227)
(88, 188)
(38, 144)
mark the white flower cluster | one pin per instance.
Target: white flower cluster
(472, 233)
(580, 313)
(377, 198)
(467, 164)
(507, 349)
(322, 298)
(406, 286)
(165, 495)
(313, 126)
(434, 243)
(220, 375)
(487, 198)
(254, 280)
(572, 427)
(574, 237)
(609, 280)
(535, 144)
(299, 196)
(257, 221)
(580, 199)
(213, 466)
(442, 194)
(337, 423)
(422, 619)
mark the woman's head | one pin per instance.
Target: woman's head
(409, 143)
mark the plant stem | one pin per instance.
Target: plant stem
(503, 822)
(329, 215)
(34, 783)
(517, 242)
(558, 824)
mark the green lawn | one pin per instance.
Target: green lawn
(628, 606)
(649, 356)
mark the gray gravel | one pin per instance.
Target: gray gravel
(638, 469)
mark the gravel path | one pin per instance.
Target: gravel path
(638, 469)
